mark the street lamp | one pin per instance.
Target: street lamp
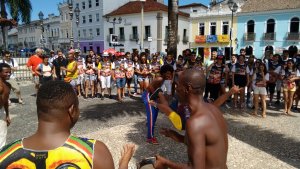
(233, 7)
(114, 22)
(77, 12)
(70, 3)
(41, 17)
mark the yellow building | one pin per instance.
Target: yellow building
(210, 30)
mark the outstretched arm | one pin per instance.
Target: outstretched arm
(224, 97)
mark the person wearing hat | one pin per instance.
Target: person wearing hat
(104, 75)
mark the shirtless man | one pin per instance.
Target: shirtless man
(53, 145)
(5, 72)
(206, 129)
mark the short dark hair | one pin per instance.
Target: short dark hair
(166, 68)
(6, 52)
(3, 65)
(55, 96)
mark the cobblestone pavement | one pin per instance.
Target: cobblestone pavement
(254, 142)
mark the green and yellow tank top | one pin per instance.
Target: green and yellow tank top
(76, 153)
(73, 75)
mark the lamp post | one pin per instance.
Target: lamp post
(41, 17)
(142, 25)
(70, 3)
(114, 22)
(233, 7)
(77, 12)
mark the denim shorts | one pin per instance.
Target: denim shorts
(121, 82)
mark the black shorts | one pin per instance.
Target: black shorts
(271, 87)
(240, 80)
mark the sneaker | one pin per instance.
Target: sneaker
(152, 141)
(102, 97)
(21, 101)
(110, 96)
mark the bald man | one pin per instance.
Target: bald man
(206, 129)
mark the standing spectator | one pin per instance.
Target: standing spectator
(259, 83)
(274, 69)
(143, 70)
(230, 65)
(12, 81)
(289, 75)
(81, 67)
(97, 78)
(135, 76)
(129, 75)
(119, 77)
(89, 77)
(104, 73)
(239, 78)
(250, 70)
(59, 62)
(45, 71)
(215, 75)
(5, 121)
(52, 57)
(71, 70)
(32, 63)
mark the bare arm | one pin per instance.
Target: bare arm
(221, 99)
(38, 70)
(102, 157)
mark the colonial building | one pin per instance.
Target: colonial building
(210, 28)
(65, 30)
(51, 32)
(269, 26)
(30, 35)
(90, 30)
(155, 27)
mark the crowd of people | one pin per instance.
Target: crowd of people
(187, 89)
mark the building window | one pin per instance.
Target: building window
(184, 32)
(294, 25)
(90, 19)
(270, 26)
(83, 19)
(195, 10)
(97, 2)
(83, 5)
(78, 33)
(249, 50)
(84, 33)
(135, 32)
(250, 26)
(213, 26)
(90, 32)
(122, 35)
(201, 28)
(90, 3)
(84, 49)
(225, 28)
(147, 32)
(111, 30)
(67, 33)
(97, 17)
(98, 31)
(77, 5)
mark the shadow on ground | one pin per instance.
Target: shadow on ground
(275, 144)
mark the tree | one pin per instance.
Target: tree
(172, 27)
(20, 10)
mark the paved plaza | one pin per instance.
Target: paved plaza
(254, 142)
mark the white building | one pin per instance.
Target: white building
(155, 27)
(90, 30)
(29, 35)
(51, 32)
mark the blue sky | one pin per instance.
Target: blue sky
(50, 6)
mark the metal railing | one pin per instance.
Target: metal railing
(293, 36)
(249, 36)
(269, 36)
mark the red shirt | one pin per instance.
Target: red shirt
(33, 62)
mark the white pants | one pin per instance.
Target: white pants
(3, 128)
(105, 82)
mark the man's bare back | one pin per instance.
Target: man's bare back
(207, 133)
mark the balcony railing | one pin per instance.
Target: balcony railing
(269, 36)
(185, 39)
(134, 37)
(293, 36)
(249, 36)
